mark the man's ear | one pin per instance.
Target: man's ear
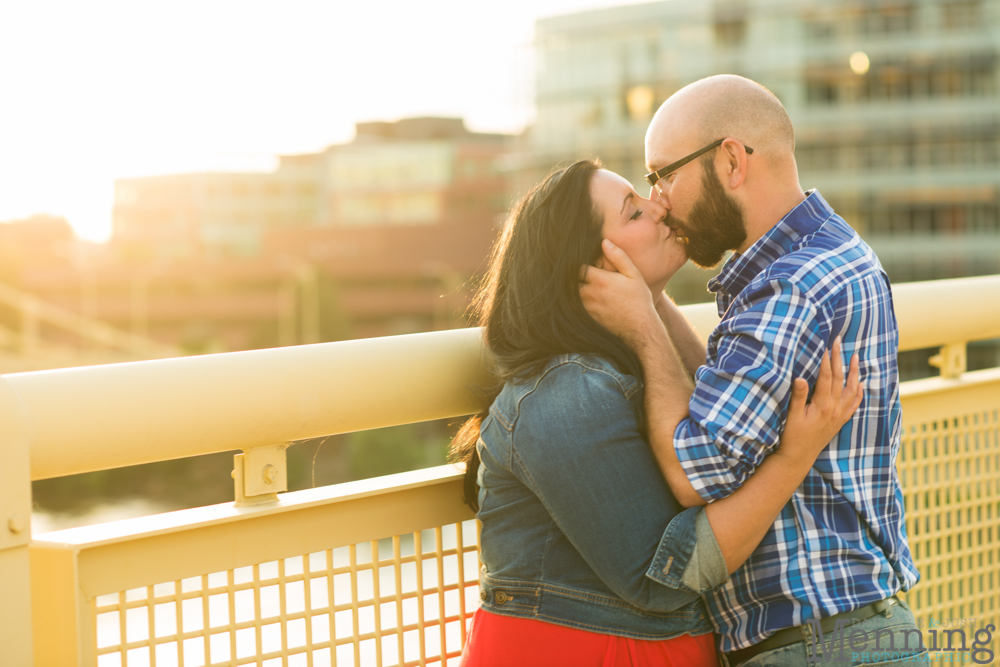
(735, 156)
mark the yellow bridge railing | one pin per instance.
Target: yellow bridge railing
(381, 571)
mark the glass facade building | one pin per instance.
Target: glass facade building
(896, 106)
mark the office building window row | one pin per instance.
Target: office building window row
(903, 79)
(907, 219)
(849, 21)
(962, 14)
(902, 152)
(932, 267)
(893, 18)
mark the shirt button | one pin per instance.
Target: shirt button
(500, 597)
(483, 594)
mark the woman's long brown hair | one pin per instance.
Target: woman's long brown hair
(529, 303)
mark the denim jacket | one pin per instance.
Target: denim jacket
(579, 527)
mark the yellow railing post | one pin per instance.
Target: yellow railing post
(61, 614)
(15, 533)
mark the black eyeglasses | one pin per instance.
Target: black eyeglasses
(655, 177)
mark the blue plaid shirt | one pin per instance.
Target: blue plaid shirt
(840, 543)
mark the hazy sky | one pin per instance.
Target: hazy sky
(97, 90)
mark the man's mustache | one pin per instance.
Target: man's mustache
(678, 227)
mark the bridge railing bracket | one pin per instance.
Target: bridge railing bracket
(260, 474)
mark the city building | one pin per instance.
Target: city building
(185, 216)
(896, 105)
(39, 240)
(410, 211)
(377, 281)
(416, 172)
(412, 172)
(383, 235)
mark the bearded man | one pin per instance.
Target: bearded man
(721, 156)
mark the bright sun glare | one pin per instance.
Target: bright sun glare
(111, 88)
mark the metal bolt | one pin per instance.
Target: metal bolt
(16, 524)
(269, 473)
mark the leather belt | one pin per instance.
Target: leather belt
(790, 636)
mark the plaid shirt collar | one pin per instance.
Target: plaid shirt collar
(781, 239)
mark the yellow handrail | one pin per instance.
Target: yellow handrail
(85, 419)
(930, 313)
(93, 418)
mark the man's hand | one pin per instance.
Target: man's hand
(618, 298)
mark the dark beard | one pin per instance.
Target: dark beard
(715, 225)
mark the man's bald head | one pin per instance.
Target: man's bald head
(720, 106)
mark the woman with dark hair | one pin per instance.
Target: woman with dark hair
(588, 559)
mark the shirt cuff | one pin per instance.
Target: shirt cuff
(688, 557)
(709, 471)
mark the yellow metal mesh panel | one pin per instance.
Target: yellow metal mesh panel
(405, 600)
(950, 473)
(408, 599)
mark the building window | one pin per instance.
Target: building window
(972, 147)
(730, 32)
(973, 75)
(897, 17)
(927, 218)
(820, 30)
(962, 14)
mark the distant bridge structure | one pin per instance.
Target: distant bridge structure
(42, 336)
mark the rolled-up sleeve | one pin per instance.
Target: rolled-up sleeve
(689, 540)
(578, 446)
(740, 401)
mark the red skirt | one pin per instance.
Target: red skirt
(503, 641)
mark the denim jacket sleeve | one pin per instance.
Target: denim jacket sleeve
(576, 443)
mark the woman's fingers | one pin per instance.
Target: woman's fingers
(823, 391)
(800, 392)
(838, 366)
(853, 391)
(619, 260)
(853, 373)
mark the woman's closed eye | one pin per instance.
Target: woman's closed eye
(635, 215)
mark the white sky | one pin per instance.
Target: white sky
(103, 89)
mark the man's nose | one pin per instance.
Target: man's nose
(657, 208)
(658, 196)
